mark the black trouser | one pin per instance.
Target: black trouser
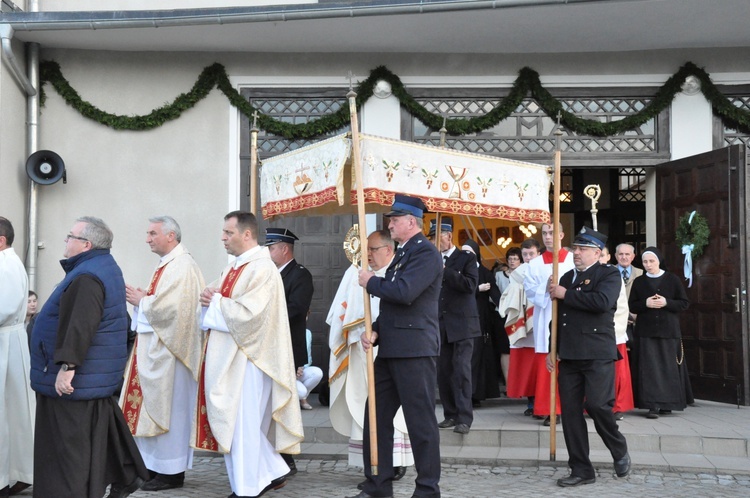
(589, 385)
(407, 382)
(454, 380)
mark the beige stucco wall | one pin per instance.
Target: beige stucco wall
(125, 177)
(13, 179)
(188, 167)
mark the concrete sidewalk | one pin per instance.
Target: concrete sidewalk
(708, 436)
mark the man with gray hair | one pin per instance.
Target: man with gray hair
(17, 401)
(78, 353)
(161, 384)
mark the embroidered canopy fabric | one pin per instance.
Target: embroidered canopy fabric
(318, 177)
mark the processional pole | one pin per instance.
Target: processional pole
(555, 272)
(254, 165)
(357, 166)
(438, 215)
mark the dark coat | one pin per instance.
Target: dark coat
(408, 322)
(661, 322)
(298, 288)
(488, 316)
(586, 327)
(458, 306)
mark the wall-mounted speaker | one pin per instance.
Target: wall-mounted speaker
(46, 167)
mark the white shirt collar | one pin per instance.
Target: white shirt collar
(245, 256)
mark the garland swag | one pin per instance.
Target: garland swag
(527, 83)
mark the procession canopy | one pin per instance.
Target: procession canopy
(317, 180)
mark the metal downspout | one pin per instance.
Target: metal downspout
(32, 145)
(6, 32)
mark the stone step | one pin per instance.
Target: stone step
(711, 436)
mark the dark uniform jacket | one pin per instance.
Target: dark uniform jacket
(408, 322)
(458, 306)
(586, 327)
(298, 288)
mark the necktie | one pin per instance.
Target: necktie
(625, 277)
(445, 259)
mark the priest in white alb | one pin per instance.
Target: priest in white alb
(247, 394)
(17, 400)
(348, 363)
(161, 378)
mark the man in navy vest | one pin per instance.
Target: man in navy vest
(78, 353)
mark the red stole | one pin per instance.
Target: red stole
(204, 437)
(133, 394)
(547, 256)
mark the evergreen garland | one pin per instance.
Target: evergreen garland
(696, 233)
(527, 83)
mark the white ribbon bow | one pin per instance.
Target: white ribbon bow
(687, 250)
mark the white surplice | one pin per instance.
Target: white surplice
(17, 401)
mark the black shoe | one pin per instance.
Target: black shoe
(653, 414)
(475, 403)
(548, 421)
(4, 492)
(572, 480)
(619, 416)
(448, 422)
(537, 417)
(622, 466)
(116, 491)
(162, 482)
(362, 494)
(665, 412)
(17, 488)
(398, 473)
(461, 428)
(528, 412)
(277, 483)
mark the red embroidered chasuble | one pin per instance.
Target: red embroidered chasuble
(204, 437)
(134, 395)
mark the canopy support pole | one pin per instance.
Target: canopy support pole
(555, 272)
(357, 166)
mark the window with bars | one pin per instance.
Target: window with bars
(729, 136)
(632, 185)
(294, 106)
(290, 105)
(529, 133)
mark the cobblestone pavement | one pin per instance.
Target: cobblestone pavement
(334, 479)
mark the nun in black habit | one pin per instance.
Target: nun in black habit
(660, 377)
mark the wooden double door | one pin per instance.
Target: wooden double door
(715, 327)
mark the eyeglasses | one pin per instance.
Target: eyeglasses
(373, 249)
(71, 236)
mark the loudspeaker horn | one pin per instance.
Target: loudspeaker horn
(46, 167)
